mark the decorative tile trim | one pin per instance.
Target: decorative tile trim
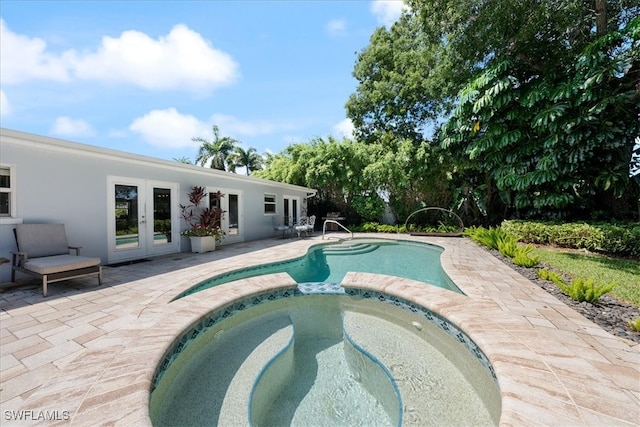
(315, 288)
(305, 289)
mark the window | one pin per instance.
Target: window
(7, 192)
(269, 204)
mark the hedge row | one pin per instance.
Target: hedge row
(615, 239)
(374, 227)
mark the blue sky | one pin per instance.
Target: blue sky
(147, 76)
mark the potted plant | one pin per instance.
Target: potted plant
(203, 222)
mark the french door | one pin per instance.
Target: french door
(142, 218)
(232, 222)
(291, 209)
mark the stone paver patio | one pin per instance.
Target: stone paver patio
(86, 355)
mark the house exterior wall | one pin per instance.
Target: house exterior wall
(58, 181)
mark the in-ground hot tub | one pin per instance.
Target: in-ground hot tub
(318, 354)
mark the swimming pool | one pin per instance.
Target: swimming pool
(341, 357)
(328, 263)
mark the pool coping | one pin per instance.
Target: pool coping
(554, 367)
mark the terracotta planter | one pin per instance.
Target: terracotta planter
(202, 244)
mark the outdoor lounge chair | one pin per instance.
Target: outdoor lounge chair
(43, 251)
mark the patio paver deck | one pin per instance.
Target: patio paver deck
(85, 355)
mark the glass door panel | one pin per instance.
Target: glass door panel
(234, 215)
(127, 233)
(286, 212)
(294, 211)
(162, 216)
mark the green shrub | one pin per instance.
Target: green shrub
(611, 238)
(506, 243)
(368, 227)
(579, 289)
(635, 324)
(508, 246)
(374, 227)
(585, 289)
(369, 207)
(488, 237)
(523, 258)
(552, 276)
(386, 228)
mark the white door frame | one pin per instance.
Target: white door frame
(145, 242)
(294, 205)
(234, 233)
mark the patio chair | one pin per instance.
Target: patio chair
(43, 251)
(311, 224)
(302, 225)
(278, 227)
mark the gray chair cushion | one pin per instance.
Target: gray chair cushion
(59, 263)
(39, 240)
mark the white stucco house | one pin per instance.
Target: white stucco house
(120, 206)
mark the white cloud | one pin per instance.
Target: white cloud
(387, 11)
(181, 59)
(23, 58)
(336, 27)
(169, 128)
(5, 108)
(66, 126)
(344, 129)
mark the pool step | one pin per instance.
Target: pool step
(359, 249)
(346, 247)
(235, 406)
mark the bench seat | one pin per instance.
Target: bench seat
(59, 263)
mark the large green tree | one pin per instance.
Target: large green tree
(403, 87)
(446, 54)
(560, 143)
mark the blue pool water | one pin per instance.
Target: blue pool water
(330, 263)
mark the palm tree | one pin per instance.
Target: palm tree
(183, 159)
(249, 159)
(216, 150)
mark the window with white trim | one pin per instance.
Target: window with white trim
(269, 204)
(7, 191)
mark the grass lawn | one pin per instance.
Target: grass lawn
(599, 268)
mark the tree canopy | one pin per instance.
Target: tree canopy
(494, 108)
(224, 153)
(249, 159)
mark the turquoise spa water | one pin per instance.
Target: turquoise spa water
(325, 360)
(329, 264)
